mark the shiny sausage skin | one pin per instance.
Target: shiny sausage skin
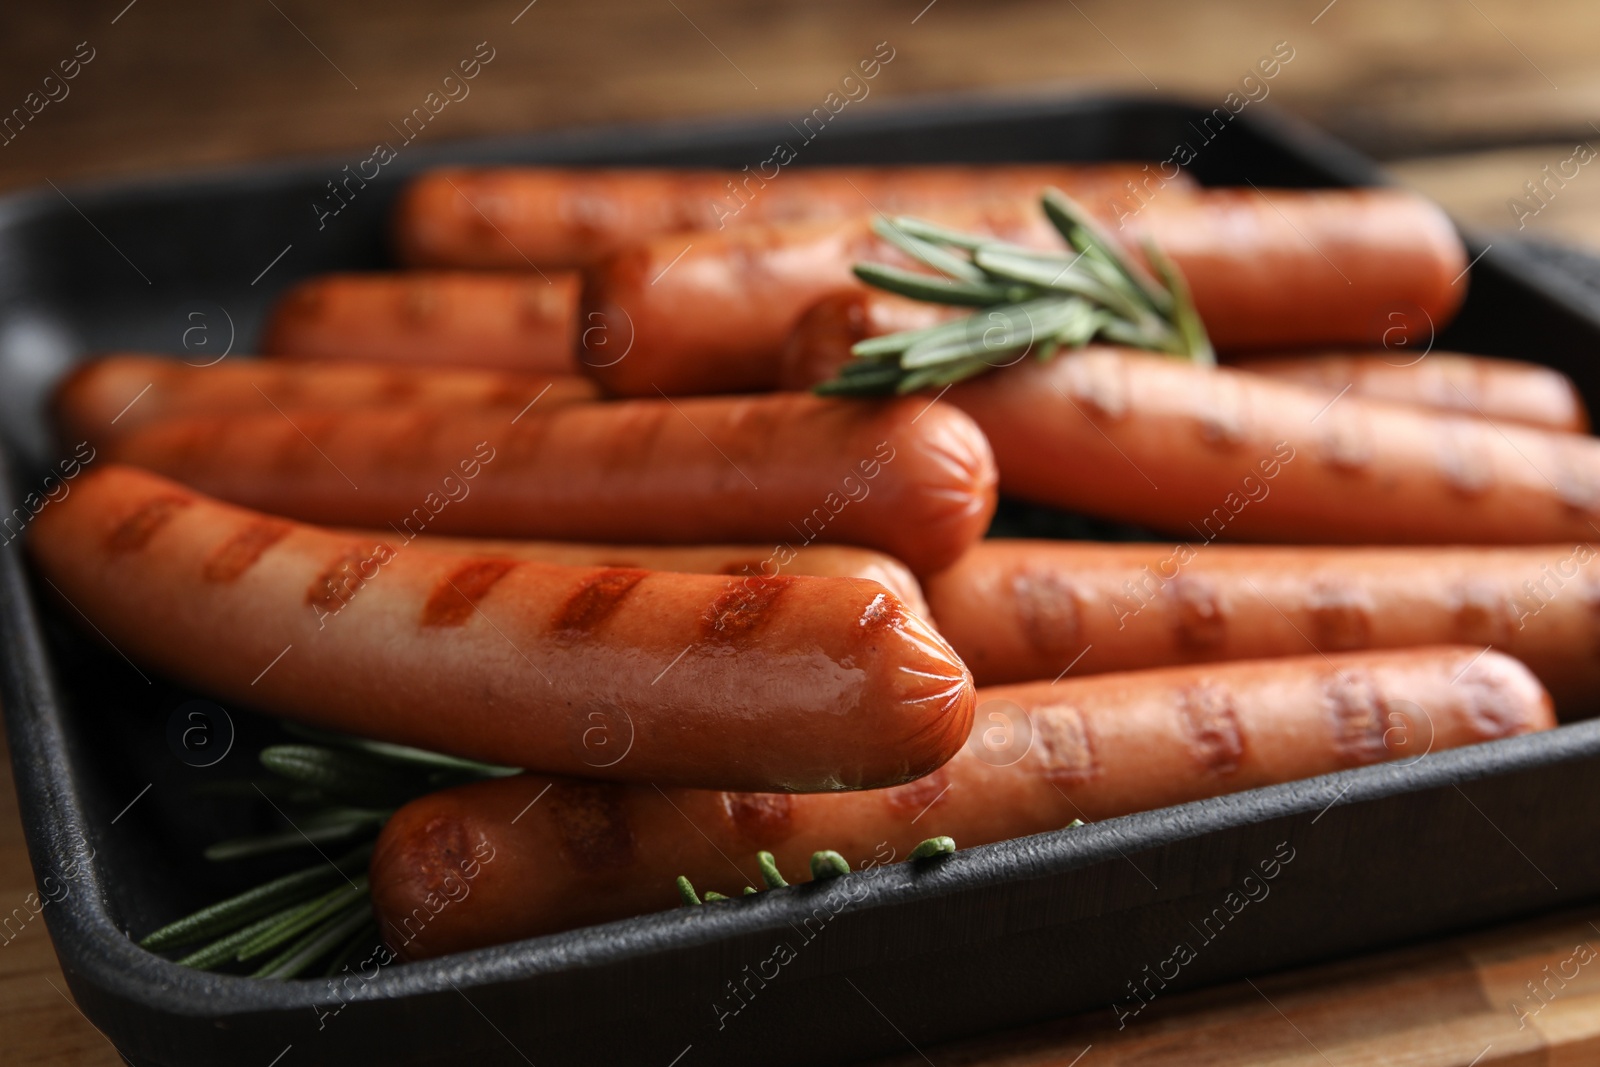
(1092, 749)
(497, 321)
(716, 319)
(910, 479)
(575, 217)
(827, 561)
(1220, 453)
(1018, 611)
(786, 683)
(1307, 267)
(114, 395)
(1296, 268)
(820, 342)
(1497, 389)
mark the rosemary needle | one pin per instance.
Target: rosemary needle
(1029, 302)
(298, 910)
(769, 870)
(236, 911)
(318, 943)
(825, 864)
(828, 864)
(322, 907)
(225, 950)
(365, 937)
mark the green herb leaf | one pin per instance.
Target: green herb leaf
(264, 899)
(1032, 301)
(769, 871)
(828, 864)
(318, 943)
(328, 825)
(331, 903)
(929, 288)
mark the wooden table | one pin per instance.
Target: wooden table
(1467, 100)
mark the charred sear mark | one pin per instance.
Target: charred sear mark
(436, 864)
(1464, 459)
(194, 444)
(760, 819)
(914, 797)
(1573, 475)
(1225, 422)
(1589, 597)
(1099, 384)
(408, 442)
(1346, 439)
(1341, 616)
(1199, 620)
(511, 392)
(535, 308)
(1496, 710)
(742, 607)
(593, 602)
(1066, 750)
(418, 304)
(1483, 613)
(882, 613)
(1047, 611)
(592, 826)
(135, 531)
(239, 553)
(302, 441)
(1356, 709)
(1211, 727)
(396, 387)
(455, 597)
(341, 578)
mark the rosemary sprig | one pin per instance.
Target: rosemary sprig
(250, 905)
(339, 789)
(1030, 302)
(825, 864)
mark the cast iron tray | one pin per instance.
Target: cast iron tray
(917, 954)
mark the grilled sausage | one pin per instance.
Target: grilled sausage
(751, 682)
(514, 217)
(112, 396)
(498, 321)
(908, 478)
(530, 855)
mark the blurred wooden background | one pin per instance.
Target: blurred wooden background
(1468, 99)
(1465, 99)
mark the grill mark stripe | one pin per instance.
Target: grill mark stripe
(596, 599)
(1066, 747)
(592, 826)
(339, 580)
(742, 608)
(1356, 710)
(229, 560)
(1211, 728)
(760, 819)
(1047, 611)
(917, 796)
(135, 531)
(455, 597)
